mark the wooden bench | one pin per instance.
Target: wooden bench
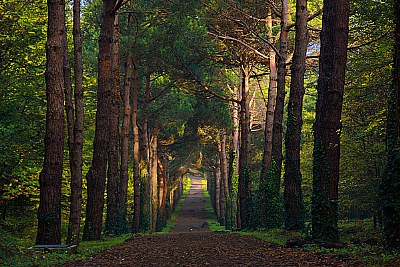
(49, 248)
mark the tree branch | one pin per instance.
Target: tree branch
(310, 17)
(118, 5)
(354, 46)
(205, 88)
(169, 86)
(239, 41)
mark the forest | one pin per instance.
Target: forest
(289, 109)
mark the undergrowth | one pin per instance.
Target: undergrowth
(15, 251)
(17, 234)
(359, 241)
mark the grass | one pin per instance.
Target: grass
(17, 234)
(362, 242)
(15, 251)
(213, 224)
(171, 221)
(16, 238)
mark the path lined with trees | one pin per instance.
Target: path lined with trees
(290, 109)
(191, 243)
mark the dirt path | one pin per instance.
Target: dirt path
(191, 243)
(192, 216)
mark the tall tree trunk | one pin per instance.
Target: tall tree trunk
(277, 131)
(145, 207)
(153, 173)
(50, 179)
(77, 161)
(244, 187)
(236, 128)
(162, 194)
(113, 153)
(96, 176)
(69, 111)
(269, 117)
(234, 162)
(217, 188)
(69, 104)
(124, 174)
(327, 127)
(136, 152)
(269, 121)
(293, 196)
(390, 184)
(224, 178)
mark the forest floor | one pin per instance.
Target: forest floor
(191, 243)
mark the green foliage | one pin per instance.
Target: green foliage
(213, 224)
(390, 184)
(22, 109)
(324, 218)
(144, 204)
(363, 148)
(362, 242)
(249, 209)
(15, 252)
(268, 211)
(173, 216)
(231, 203)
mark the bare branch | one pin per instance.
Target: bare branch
(239, 41)
(205, 88)
(163, 92)
(310, 17)
(354, 46)
(118, 5)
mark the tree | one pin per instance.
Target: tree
(77, 144)
(96, 177)
(49, 212)
(390, 184)
(124, 174)
(327, 124)
(270, 114)
(153, 179)
(112, 224)
(136, 153)
(224, 176)
(277, 131)
(293, 198)
(244, 187)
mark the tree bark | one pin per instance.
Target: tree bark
(224, 178)
(145, 197)
(153, 173)
(327, 127)
(96, 176)
(113, 153)
(217, 193)
(124, 174)
(136, 152)
(390, 184)
(236, 127)
(269, 116)
(277, 131)
(293, 196)
(50, 179)
(76, 161)
(244, 186)
(162, 194)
